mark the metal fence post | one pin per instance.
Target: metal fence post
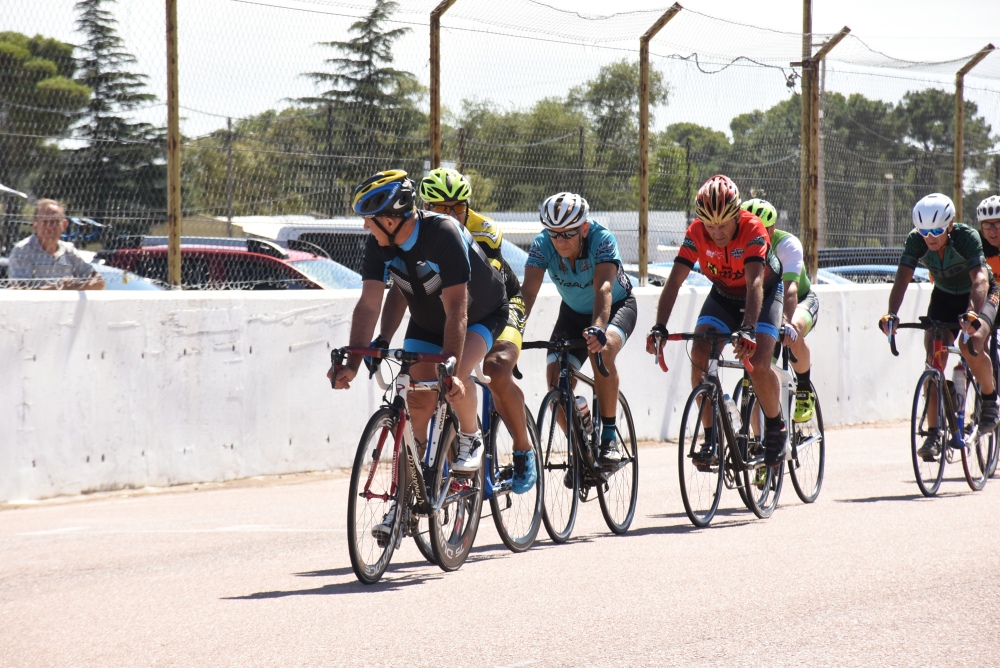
(435, 92)
(959, 148)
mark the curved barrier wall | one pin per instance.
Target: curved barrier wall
(110, 390)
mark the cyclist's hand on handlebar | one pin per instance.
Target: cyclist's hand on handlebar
(887, 323)
(789, 332)
(746, 343)
(341, 376)
(655, 340)
(597, 339)
(372, 364)
(456, 390)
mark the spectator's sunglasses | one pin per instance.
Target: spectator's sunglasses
(563, 235)
(936, 232)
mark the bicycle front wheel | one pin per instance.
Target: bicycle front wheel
(618, 494)
(559, 468)
(928, 468)
(808, 454)
(516, 516)
(701, 482)
(761, 484)
(454, 525)
(372, 499)
(976, 455)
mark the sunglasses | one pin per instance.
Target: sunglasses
(992, 225)
(453, 210)
(563, 235)
(936, 232)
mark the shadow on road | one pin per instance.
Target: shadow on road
(898, 497)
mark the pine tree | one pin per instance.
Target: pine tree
(122, 168)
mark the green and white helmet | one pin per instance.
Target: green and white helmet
(445, 185)
(763, 210)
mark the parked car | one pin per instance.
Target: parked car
(876, 273)
(227, 263)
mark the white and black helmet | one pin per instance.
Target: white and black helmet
(564, 211)
(988, 209)
(933, 211)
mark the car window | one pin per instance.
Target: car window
(346, 248)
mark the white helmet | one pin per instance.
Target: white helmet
(933, 211)
(564, 211)
(989, 208)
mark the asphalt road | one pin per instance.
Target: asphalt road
(258, 574)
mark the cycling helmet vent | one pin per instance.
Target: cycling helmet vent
(763, 210)
(564, 211)
(445, 185)
(933, 211)
(718, 201)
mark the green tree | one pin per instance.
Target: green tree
(686, 154)
(121, 172)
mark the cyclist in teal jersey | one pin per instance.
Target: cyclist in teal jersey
(583, 261)
(965, 293)
(800, 306)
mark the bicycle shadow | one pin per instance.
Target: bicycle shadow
(917, 496)
(387, 583)
(741, 515)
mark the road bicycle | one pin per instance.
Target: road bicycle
(960, 436)
(394, 482)
(731, 453)
(569, 463)
(517, 517)
(806, 462)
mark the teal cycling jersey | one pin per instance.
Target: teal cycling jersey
(575, 282)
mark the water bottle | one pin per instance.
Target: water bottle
(958, 380)
(583, 412)
(734, 412)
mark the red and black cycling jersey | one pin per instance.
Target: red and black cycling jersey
(725, 267)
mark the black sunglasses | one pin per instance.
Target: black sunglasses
(563, 235)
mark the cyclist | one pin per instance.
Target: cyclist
(801, 306)
(734, 252)
(582, 259)
(964, 293)
(988, 214)
(447, 192)
(457, 302)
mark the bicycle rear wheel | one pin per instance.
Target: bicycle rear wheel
(454, 526)
(559, 469)
(976, 456)
(516, 516)
(619, 493)
(930, 471)
(371, 497)
(701, 484)
(761, 484)
(808, 454)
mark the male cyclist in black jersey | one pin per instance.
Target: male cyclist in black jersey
(457, 301)
(965, 293)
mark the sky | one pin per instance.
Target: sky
(241, 57)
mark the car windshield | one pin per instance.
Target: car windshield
(328, 273)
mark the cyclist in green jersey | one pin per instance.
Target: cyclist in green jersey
(965, 293)
(800, 306)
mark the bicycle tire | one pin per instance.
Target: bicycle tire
(976, 457)
(619, 493)
(374, 459)
(517, 516)
(454, 526)
(701, 487)
(560, 502)
(422, 539)
(928, 474)
(808, 462)
(761, 484)
(994, 451)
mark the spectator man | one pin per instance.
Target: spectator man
(46, 262)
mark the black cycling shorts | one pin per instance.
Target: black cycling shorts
(948, 307)
(570, 325)
(725, 313)
(420, 340)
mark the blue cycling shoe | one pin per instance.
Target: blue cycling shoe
(525, 473)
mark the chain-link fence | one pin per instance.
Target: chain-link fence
(286, 105)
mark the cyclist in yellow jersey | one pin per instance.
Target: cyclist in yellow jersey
(446, 191)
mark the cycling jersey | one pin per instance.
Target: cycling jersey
(489, 236)
(438, 254)
(725, 267)
(788, 248)
(575, 283)
(992, 254)
(963, 253)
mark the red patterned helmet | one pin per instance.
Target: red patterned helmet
(718, 201)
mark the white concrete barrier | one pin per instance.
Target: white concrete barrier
(108, 390)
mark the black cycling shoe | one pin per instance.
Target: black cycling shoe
(989, 416)
(775, 445)
(705, 457)
(931, 448)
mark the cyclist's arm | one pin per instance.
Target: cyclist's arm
(668, 295)
(604, 275)
(364, 319)
(791, 299)
(980, 288)
(903, 276)
(755, 293)
(456, 306)
(392, 313)
(533, 277)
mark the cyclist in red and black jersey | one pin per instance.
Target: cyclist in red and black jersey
(734, 252)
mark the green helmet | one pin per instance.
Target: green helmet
(763, 210)
(445, 185)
